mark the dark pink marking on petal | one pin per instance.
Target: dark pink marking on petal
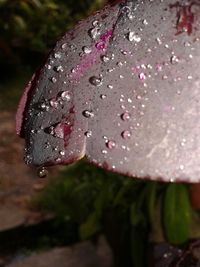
(88, 60)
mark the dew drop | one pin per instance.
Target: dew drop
(126, 134)
(94, 32)
(63, 46)
(102, 96)
(86, 49)
(65, 96)
(53, 103)
(125, 116)
(142, 76)
(100, 45)
(145, 22)
(59, 69)
(105, 58)
(88, 114)
(174, 60)
(96, 81)
(132, 36)
(62, 152)
(60, 130)
(110, 86)
(95, 23)
(88, 133)
(42, 172)
(57, 55)
(110, 144)
(54, 80)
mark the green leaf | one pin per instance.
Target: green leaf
(139, 241)
(136, 216)
(176, 213)
(90, 227)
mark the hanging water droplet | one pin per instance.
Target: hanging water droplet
(96, 81)
(125, 116)
(42, 172)
(110, 144)
(126, 134)
(65, 96)
(88, 114)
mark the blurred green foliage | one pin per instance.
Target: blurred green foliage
(125, 209)
(29, 28)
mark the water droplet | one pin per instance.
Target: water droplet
(110, 144)
(63, 46)
(95, 23)
(42, 172)
(53, 103)
(181, 167)
(88, 133)
(105, 58)
(158, 40)
(96, 81)
(174, 60)
(88, 114)
(54, 80)
(132, 36)
(59, 69)
(110, 86)
(104, 151)
(66, 96)
(102, 96)
(126, 134)
(62, 152)
(142, 76)
(87, 50)
(100, 45)
(125, 116)
(60, 130)
(145, 22)
(94, 32)
(57, 55)
(43, 106)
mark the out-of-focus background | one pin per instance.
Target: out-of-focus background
(79, 215)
